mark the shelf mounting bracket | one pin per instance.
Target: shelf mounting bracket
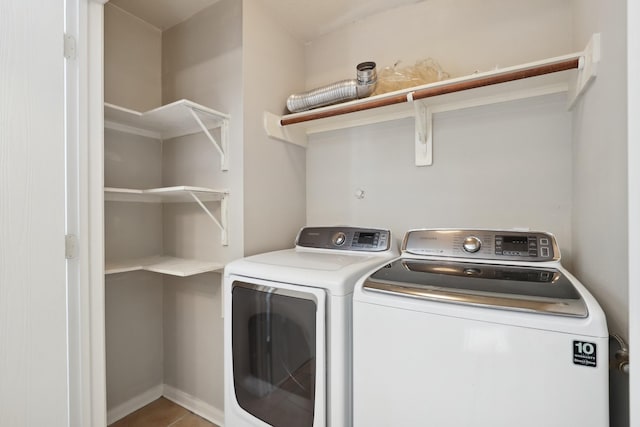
(275, 130)
(423, 134)
(224, 212)
(587, 69)
(223, 146)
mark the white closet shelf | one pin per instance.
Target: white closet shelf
(570, 73)
(179, 194)
(163, 264)
(179, 118)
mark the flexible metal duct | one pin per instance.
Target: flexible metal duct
(341, 91)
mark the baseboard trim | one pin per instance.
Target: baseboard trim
(134, 404)
(194, 404)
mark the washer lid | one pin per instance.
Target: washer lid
(539, 290)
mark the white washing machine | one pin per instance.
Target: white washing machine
(478, 328)
(287, 328)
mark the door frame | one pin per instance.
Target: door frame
(85, 189)
(633, 144)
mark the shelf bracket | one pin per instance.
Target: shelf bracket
(223, 146)
(224, 218)
(587, 69)
(275, 130)
(423, 134)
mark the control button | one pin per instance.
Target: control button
(471, 244)
(339, 238)
(544, 252)
(544, 241)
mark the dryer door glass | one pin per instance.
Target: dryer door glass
(274, 353)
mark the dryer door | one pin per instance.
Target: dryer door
(278, 348)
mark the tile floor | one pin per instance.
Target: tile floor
(162, 413)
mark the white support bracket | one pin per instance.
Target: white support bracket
(587, 69)
(223, 146)
(274, 129)
(424, 115)
(423, 134)
(224, 219)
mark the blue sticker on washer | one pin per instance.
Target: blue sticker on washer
(584, 353)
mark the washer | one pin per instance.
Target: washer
(478, 328)
(287, 328)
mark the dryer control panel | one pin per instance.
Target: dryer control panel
(510, 245)
(345, 238)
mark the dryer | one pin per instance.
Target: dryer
(478, 328)
(287, 328)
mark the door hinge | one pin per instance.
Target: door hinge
(70, 246)
(69, 46)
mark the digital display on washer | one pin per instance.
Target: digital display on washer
(515, 243)
(366, 238)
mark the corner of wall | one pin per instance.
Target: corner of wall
(274, 172)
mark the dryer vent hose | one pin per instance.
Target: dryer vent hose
(341, 91)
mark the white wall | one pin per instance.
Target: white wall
(274, 172)
(600, 215)
(600, 157)
(201, 61)
(193, 341)
(133, 301)
(33, 289)
(131, 69)
(134, 336)
(507, 165)
(462, 35)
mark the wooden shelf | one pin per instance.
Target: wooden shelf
(179, 118)
(163, 264)
(569, 73)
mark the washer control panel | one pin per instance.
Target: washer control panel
(511, 245)
(345, 238)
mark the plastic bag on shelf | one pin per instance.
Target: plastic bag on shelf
(395, 78)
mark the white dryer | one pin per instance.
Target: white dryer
(478, 328)
(287, 328)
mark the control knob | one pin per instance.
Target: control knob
(472, 244)
(339, 238)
